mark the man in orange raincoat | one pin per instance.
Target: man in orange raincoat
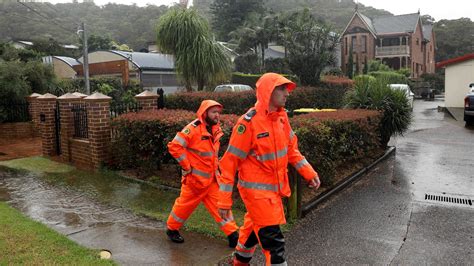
(196, 149)
(261, 146)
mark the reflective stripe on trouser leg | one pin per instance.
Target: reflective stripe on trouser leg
(210, 202)
(184, 205)
(273, 244)
(247, 241)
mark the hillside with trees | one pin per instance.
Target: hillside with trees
(135, 26)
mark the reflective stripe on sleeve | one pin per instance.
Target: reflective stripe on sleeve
(181, 141)
(258, 186)
(237, 152)
(201, 153)
(301, 163)
(180, 158)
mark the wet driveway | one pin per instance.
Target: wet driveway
(133, 240)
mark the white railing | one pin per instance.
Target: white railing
(392, 50)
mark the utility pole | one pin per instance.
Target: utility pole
(85, 63)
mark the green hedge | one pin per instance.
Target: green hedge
(390, 77)
(327, 139)
(239, 102)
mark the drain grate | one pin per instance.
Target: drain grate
(448, 199)
(2, 154)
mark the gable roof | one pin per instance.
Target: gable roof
(148, 60)
(396, 24)
(366, 20)
(427, 31)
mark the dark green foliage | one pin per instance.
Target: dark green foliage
(375, 94)
(228, 15)
(198, 58)
(247, 63)
(390, 77)
(310, 46)
(453, 38)
(277, 65)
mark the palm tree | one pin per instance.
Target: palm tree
(198, 58)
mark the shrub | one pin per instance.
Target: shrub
(336, 71)
(277, 65)
(376, 94)
(390, 77)
(247, 63)
(331, 81)
(141, 138)
(239, 102)
(233, 102)
(327, 139)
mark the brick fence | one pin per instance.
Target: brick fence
(61, 119)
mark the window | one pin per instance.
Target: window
(354, 44)
(364, 44)
(417, 41)
(345, 44)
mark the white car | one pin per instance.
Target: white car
(232, 88)
(405, 88)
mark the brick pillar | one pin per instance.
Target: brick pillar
(66, 102)
(148, 100)
(33, 109)
(98, 117)
(82, 95)
(47, 105)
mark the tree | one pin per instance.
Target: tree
(311, 47)
(453, 38)
(198, 58)
(228, 15)
(255, 35)
(96, 43)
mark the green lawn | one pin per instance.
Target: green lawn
(111, 188)
(24, 241)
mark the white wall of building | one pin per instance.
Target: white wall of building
(457, 79)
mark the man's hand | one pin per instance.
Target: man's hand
(186, 172)
(314, 183)
(225, 214)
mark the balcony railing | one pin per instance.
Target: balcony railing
(402, 50)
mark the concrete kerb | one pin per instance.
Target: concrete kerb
(343, 183)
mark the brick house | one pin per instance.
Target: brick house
(399, 41)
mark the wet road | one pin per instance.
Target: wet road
(133, 240)
(384, 218)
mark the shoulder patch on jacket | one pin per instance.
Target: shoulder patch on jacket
(196, 123)
(241, 129)
(249, 115)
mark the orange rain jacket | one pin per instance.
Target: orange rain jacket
(195, 148)
(260, 148)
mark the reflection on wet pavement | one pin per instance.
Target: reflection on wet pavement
(131, 239)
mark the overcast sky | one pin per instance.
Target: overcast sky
(439, 9)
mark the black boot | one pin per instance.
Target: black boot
(233, 238)
(174, 236)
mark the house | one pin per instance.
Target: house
(398, 41)
(152, 70)
(64, 67)
(459, 73)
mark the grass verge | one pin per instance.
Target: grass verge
(24, 241)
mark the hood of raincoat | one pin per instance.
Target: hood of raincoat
(265, 86)
(206, 104)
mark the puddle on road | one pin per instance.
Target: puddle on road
(132, 239)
